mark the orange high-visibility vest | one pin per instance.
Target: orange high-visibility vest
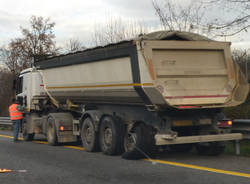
(15, 114)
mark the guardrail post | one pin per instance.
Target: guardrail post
(237, 147)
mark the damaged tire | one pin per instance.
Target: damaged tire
(139, 143)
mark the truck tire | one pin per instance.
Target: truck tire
(111, 136)
(52, 132)
(211, 149)
(89, 136)
(139, 143)
(26, 136)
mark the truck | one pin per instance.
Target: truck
(165, 88)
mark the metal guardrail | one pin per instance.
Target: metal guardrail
(5, 121)
(242, 126)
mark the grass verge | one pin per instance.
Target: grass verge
(244, 147)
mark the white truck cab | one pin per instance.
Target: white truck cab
(30, 88)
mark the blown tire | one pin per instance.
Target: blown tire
(139, 143)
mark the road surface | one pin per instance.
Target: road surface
(44, 164)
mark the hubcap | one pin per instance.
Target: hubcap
(130, 142)
(108, 136)
(50, 133)
(88, 133)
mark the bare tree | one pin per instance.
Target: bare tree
(6, 90)
(242, 57)
(36, 41)
(175, 16)
(74, 45)
(116, 29)
(229, 18)
(11, 58)
(236, 16)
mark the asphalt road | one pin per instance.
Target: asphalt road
(71, 164)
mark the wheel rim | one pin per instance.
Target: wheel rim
(24, 132)
(88, 134)
(50, 133)
(108, 136)
(130, 142)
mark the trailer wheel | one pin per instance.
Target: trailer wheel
(139, 143)
(111, 136)
(26, 136)
(51, 132)
(89, 136)
(211, 149)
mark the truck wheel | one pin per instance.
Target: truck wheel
(51, 132)
(26, 136)
(139, 143)
(111, 136)
(89, 135)
(211, 149)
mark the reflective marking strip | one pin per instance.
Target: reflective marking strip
(205, 96)
(99, 86)
(16, 116)
(14, 111)
(200, 168)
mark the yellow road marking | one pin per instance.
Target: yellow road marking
(200, 168)
(40, 142)
(6, 136)
(75, 147)
(45, 142)
(233, 173)
(11, 137)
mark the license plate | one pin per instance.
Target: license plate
(205, 121)
(182, 123)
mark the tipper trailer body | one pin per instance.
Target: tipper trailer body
(164, 88)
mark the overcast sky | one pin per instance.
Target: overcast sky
(76, 18)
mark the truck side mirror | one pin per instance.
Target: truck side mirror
(14, 85)
(20, 100)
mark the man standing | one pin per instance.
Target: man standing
(16, 116)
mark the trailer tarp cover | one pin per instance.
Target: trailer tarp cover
(174, 35)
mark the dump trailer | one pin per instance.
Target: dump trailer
(165, 88)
